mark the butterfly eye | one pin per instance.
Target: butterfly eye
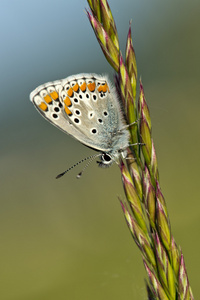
(106, 158)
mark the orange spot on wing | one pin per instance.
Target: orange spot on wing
(83, 87)
(43, 106)
(100, 88)
(91, 86)
(70, 92)
(54, 95)
(67, 101)
(68, 112)
(47, 99)
(103, 88)
(76, 87)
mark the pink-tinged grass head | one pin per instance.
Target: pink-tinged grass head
(95, 8)
(183, 282)
(131, 62)
(155, 285)
(132, 197)
(149, 198)
(165, 270)
(108, 47)
(163, 226)
(109, 23)
(143, 107)
(175, 257)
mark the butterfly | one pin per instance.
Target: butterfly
(87, 107)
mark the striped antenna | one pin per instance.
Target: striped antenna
(91, 158)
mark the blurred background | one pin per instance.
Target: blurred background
(67, 238)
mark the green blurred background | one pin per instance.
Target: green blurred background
(67, 238)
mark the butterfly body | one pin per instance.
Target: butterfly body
(85, 106)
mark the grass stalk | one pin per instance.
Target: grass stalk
(144, 209)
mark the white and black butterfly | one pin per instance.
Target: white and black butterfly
(86, 106)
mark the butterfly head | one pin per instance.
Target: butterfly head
(107, 158)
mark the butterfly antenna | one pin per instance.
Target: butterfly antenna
(91, 157)
(89, 162)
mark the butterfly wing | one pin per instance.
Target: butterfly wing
(84, 106)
